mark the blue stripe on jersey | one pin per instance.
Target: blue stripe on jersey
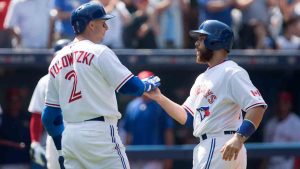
(134, 86)
(212, 149)
(112, 132)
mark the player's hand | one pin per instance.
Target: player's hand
(154, 94)
(232, 148)
(37, 153)
(61, 161)
(151, 83)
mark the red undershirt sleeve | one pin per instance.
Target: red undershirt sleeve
(36, 127)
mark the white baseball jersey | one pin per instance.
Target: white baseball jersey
(84, 77)
(215, 101)
(217, 97)
(36, 105)
(37, 101)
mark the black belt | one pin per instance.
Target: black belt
(204, 136)
(101, 118)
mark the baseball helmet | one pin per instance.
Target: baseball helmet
(145, 74)
(219, 35)
(60, 44)
(85, 13)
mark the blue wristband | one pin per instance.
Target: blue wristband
(247, 128)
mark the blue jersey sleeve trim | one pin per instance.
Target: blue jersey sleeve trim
(187, 109)
(134, 86)
(189, 120)
(123, 82)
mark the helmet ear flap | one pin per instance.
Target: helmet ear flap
(226, 35)
(214, 44)
(222, 41)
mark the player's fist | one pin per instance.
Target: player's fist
(61, 161)
(232, 148)
(151, 83)
(154, 94)
(37, 153)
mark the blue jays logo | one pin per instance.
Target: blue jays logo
(204, 112)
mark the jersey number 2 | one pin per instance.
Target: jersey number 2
(75, 95)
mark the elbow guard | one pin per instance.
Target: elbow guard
(134, 86)
(53, 121)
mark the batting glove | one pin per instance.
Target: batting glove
(151, 83)
(37, 153)
(61, 161)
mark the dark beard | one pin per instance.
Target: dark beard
(205, 56)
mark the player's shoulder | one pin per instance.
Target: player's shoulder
(231, 67)
(44, 78)
(98, 49)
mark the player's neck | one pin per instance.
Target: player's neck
(216, 59)
(79, 38)
(82, 37)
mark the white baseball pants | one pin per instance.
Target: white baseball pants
(207, 155)
(51, 154)
(93, 145)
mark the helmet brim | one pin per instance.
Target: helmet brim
(197, 33)
(107, 17)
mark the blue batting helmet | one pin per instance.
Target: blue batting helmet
(219, 35)
(60, 44)
(85, 13)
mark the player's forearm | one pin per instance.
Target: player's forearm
(176, 111)
(36, 127)
(255, 115)
(251, 122)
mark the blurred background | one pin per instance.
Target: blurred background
(153, 35)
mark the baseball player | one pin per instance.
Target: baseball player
(36, 129)
(84, 77)
(216, 101)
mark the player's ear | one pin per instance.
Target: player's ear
(91, 25)
(105, 25)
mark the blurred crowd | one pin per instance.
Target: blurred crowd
(258, 24)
